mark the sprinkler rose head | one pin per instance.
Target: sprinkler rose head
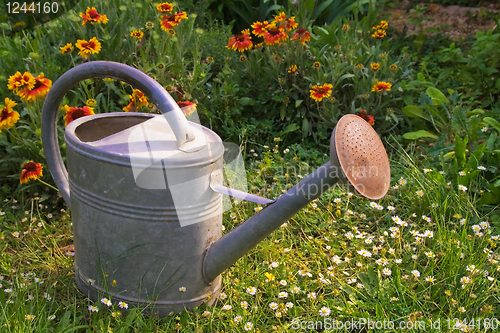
(358, 152)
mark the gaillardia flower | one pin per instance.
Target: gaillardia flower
(382, 25)
(8, 117)
(393, 67)
(20, 81)
(91, 47)
(137, 100)
(92, 16)
(281, 17)
(320, 92)
(369, 118)
(39, 90)
(66, 48)
(170, 21)
(73, 113)
(375, 66)
(290, 22)
(292, 69)
(259, 29)
(275, 35)
(187, 107)
(303, 35)
(381, 86)
(31, 171)
(379, 34)
(137, 34)
(240, 42)
(164, 7)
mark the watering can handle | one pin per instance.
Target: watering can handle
(103, 69)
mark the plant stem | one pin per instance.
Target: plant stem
(47, 184)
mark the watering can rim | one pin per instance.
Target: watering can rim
(188, 158)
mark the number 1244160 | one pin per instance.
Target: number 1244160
(32, 8)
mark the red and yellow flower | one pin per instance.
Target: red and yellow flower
(93, 46)
(170, 21)
(137, 100)
(39, 90)
(281, 17)
(240, 42)
(320, 92)
(165, 7)
(303, 35)
(369, 118)
(66, 48)
(292, 69)
(73, 113)
(8, 117)
(137, 34)
(382, 25)
(381, 86)
(378, 34)
(275, 35)
(259, 29)
(393, 67)
(20, 81)
(187, 107)
(92, 16)
(375, 66)
(290, 23)
(31, 171)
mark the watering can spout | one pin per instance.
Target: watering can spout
(357, 159)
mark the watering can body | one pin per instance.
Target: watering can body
(137, 187)
(145, 194)
(137, 238)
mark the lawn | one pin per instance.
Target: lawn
(423, 257)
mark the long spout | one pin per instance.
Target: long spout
(228, 249)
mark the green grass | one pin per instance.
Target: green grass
(314, 242)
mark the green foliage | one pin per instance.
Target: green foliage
(176, 61)
(471, 72)
(276, 102)
(241, 14)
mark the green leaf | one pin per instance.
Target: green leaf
(247, 101)
(372, 275)
(460, 147)
(414, 112)
(492, 122)
(490, 144)
(474, 112)
(419, 134)
(282, 112)
(322, 225)
(305, 126)
(298, 102)
(436, 95)
(44, 197)
(290, 128)
(408, 100)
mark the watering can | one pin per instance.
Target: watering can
(145, 193)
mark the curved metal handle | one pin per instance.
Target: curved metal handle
(102, 69)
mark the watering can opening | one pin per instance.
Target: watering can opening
(100, 128)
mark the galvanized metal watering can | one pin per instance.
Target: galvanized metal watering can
(145, 194)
